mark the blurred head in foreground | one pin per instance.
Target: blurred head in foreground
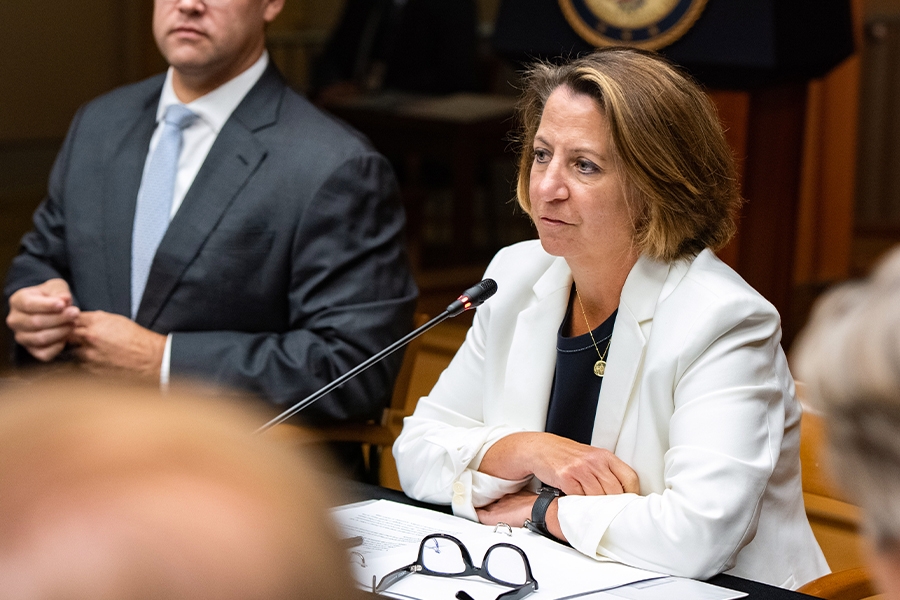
(116, 492)
(849, 357)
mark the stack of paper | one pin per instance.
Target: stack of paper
(392, 532)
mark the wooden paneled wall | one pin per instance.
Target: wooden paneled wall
(878, 191)
(828, 185)
(797, 150)
(765, 129)
(54, 56)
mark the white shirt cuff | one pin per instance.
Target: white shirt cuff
(164, 367)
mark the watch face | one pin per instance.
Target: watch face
(649, 24)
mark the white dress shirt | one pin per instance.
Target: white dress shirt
(213, 110)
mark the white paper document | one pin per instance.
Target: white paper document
(392, 533)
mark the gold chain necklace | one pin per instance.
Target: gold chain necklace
(600, 365)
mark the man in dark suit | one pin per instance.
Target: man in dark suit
(282, 265)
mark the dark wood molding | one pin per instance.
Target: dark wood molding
(771, 185)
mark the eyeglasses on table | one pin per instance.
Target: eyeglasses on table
(442, 555)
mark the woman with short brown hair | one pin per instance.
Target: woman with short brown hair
(624, 391)
(684, 189)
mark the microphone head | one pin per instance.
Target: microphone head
(473, 297)
(480, 292)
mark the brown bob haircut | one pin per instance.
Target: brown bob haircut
(666, 140)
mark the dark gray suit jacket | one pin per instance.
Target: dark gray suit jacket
(283, 268)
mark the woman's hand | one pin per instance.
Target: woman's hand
(576, 469)
(582, 470)
(511, 509)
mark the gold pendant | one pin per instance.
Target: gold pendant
(600, 368)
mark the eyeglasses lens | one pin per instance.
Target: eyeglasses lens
(506, 565)
(443, 556)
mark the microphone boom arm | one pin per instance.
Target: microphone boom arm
(354, 372)
(471, 298)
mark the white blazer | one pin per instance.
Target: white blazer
(697, 399)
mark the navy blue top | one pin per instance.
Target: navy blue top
(576, 390)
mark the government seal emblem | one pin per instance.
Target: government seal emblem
(648, 24)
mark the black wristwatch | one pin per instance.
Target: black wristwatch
(538, 521)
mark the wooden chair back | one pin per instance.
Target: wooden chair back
(835, 521)
(813, 454)
(374, 436)
(436, 349)
(849, 584)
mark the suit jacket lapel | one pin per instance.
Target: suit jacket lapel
(626, 354)
(532, 354)
(233, 158)
(119, 200)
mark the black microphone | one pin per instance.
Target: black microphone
(471, 298)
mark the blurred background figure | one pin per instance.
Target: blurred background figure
(117, 492)
(424, 46)
(849, 357)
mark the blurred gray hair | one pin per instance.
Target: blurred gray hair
(849, 358)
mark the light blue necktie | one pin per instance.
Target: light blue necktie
(154, 203)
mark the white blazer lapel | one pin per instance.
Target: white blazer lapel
(626, 353)
(532, 354)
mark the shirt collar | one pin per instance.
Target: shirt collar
(215, 107)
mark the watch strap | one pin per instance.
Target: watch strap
(538, 521)
(539, 509)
